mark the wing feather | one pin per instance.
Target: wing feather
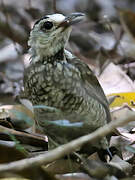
(91, 84)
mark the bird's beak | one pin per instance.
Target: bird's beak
(72, 19)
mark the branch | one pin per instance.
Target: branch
(23, 137)
(54, 6)
(19, 133)
(67, 148)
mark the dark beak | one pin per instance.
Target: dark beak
(72, 19)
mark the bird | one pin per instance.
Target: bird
(58, 79)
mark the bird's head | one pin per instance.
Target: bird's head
(50, 33)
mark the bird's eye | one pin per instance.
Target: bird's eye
(47, 25)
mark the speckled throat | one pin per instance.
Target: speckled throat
(59, 56)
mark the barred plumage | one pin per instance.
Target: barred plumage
(57, 78)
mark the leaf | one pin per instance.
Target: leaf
(127, 19)
(127, 97)
(121, 164)
(21, 117)
(113, 80)
(47, 108)
(130, 149)
(9, 152)
(18, 146)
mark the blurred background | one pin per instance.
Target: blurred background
(99, 40)
(105, 41)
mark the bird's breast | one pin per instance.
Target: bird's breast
(59, 84)
(51, 83)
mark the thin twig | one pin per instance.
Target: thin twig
(18, 133)
(54, 6)
(29, 4)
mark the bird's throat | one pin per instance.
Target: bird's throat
(59, 56)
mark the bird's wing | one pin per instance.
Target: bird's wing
(91, 84)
